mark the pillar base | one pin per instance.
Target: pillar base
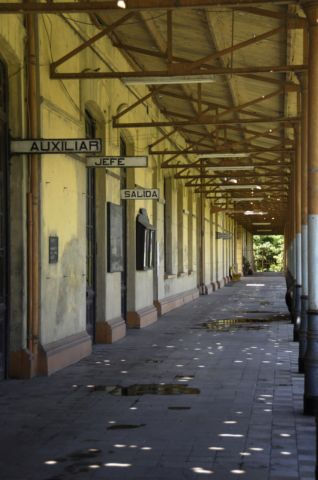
(301, 365)
(167, 304)
(142, 318)
(208, 289)
(303, 334)
(296, 332)
(62, 353)
(220, 283)
(296, 313)
(214, 286)
(310, 405)
(110, 331)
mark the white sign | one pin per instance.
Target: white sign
(140, 194)
(117, 162)
(56, 145)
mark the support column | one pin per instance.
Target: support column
(298, 185)
(290, 274)
(202, 244)
(304, 214)
(311, 356)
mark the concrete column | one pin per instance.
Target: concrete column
(304, 216)
(292, 245)
(311, 356)
(298, 186)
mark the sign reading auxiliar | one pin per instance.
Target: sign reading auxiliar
(117, 162)
(140, 194)
(57, 145)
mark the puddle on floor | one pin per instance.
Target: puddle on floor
(146, 389)
(229, 324)
(125, 426)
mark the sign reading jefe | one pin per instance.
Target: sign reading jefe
(140, 194)
(120, 162)
(55, 145)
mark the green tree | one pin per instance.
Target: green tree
(268, 252)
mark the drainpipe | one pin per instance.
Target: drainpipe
(311, 356)
(304, 213)
(291, 245)
(33, 197)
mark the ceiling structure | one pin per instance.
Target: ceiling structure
(225, 75)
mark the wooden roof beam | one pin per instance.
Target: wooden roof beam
(104, 6)
(296, 21)
(206, 120)
(167, 73)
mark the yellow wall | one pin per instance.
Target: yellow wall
(63, 190)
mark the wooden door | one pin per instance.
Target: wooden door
(4, 205)
(90, 125)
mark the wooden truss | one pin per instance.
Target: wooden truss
(135, 5)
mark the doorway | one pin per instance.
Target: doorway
(4, 222)
(123, 185)
(90, 128)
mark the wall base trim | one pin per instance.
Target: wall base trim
(110, 331)
(208, 289)
(142, 318)
(220, 283)
(214, 286)
(57, 355)
(165, 305)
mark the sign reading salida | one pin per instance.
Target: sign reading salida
(56, 145)
(140, 194)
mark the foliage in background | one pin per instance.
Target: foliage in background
(268, 253)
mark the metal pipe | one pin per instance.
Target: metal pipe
(304, 213)
(311, 356)
(33, 196)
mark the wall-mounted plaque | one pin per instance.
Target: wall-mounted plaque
(115, 244)
(116, 162)
(223, 236)
(57, 145)
(53, 249)
(140, 194)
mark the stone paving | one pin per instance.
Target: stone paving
(246, 421)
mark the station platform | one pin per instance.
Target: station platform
(210, 390)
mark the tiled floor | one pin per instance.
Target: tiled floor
(246, 420)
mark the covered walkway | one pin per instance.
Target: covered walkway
(236, 410)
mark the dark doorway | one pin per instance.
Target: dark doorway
(4, 205)
(90, 126)
(123, 185)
